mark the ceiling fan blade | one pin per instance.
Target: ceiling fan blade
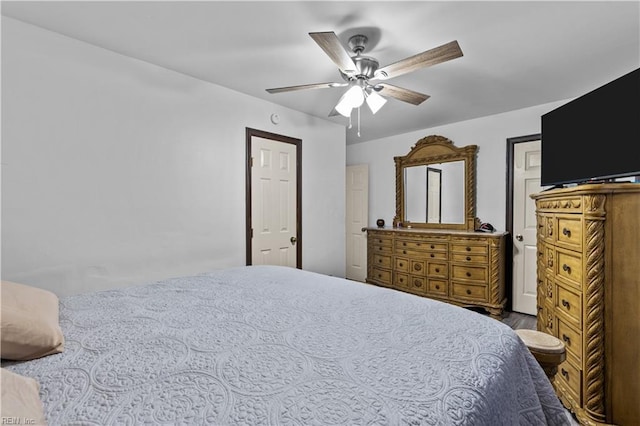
(402, 94)
(428, 58)
(330, 43)
(305, 86)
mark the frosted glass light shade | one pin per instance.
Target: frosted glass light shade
(375, 101)
(352, 98)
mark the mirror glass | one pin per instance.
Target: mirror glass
(435, 193)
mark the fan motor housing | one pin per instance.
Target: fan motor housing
(365, 68)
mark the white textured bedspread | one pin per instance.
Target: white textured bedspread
(266, 345)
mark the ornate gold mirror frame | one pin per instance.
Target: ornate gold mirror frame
(436, 149)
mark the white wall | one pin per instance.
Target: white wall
(489, 133)
(118, 172)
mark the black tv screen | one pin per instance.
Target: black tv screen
(595, 137)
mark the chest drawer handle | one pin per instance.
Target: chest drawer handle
(417, 267)
(566, 232)
(433, 255)
(468, 291)
(566, 268)
(380, 261)
(404, 252)
(565, 373)
(379, 275)
(401, 265)
(418, 244)
(566, 304)
(401, 280)
(468, 258)
(468, 274)
(468, 248)
(437, 287)
(404, 244)
(432, 246)
(417, 283)
(566, 338)
(380, 241)
(379, 248)
(437, 269)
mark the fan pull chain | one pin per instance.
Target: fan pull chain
(358, 121)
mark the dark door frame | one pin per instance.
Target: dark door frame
(509, 213)
(279, 138)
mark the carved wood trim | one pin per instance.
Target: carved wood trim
(594, 299)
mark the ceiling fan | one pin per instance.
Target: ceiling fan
(365, 78)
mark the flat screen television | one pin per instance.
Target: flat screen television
(595, 137)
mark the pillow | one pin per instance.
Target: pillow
(29, 322)
(20, 399)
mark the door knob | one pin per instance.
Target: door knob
(293, 240)
(519, 237)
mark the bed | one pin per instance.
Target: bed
(269, 345)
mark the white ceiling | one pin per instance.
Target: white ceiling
(516, 54)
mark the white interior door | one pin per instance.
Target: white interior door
(273, 202)
(357, 218)
(526, 181)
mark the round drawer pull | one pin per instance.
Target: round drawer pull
(468, 248)
(565, 303)
(432, 246)
(468, 274)
(468, 258)
(379, 275)
(566, 232)
(433, 255)
(417, 283)
(417, 267)
(437, 287)
(379, 248)
(404, 244)
(468, 291)
(565, 373)
(566, 268)
(379, 260)
(437, 269)
(401, 280)
(401, 264)
(566, 338)
(380, 241)
(418, 244)
(404, 252)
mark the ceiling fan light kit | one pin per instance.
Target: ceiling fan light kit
(359, 71)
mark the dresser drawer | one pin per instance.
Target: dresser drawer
(382, 249)
(381, 241)
(471, 273)
(569, 304)
(435, 269)
(382, 276)
(469, 291)
(469, 248)
(421, 245)
(402, 264)
(400, 280)
(382, 261)
(572, 340)
(417, 284)
(437, 287)
(569, 232)
(568, 265)
(469, 258)
(418, 267)
(570, 377)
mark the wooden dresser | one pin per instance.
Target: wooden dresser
(460, 267)
(589, 296)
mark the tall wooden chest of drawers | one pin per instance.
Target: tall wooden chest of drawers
(589, 296)
(459, 267)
